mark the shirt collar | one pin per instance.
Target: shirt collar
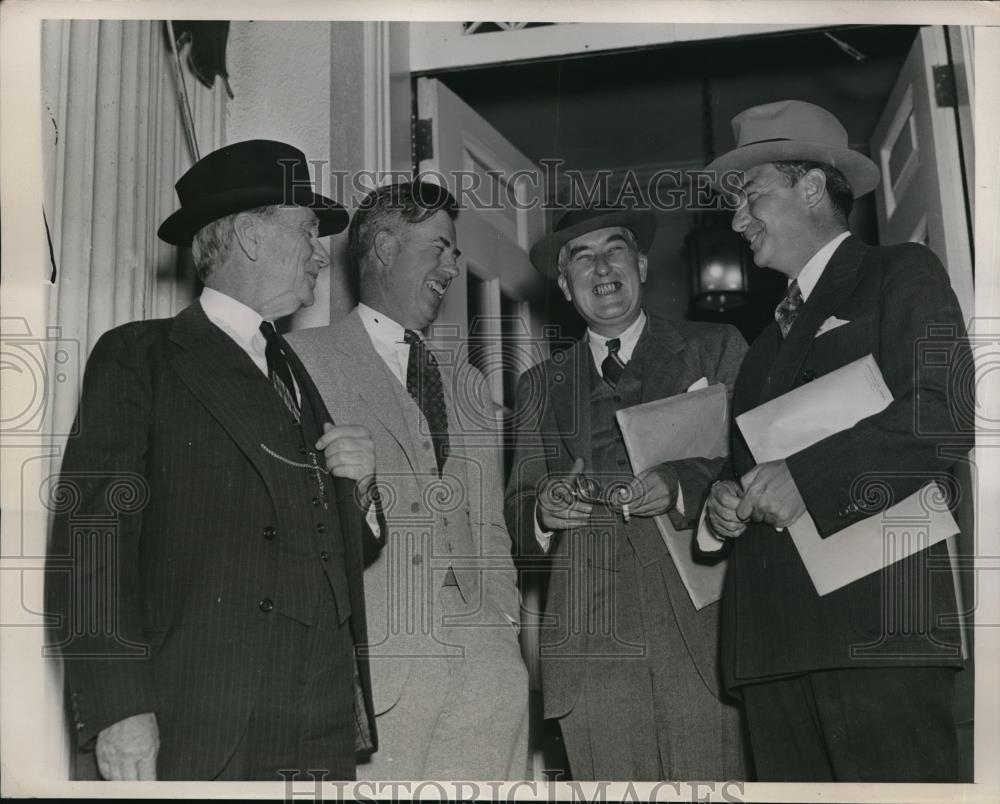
(380, 327)
(629, 338)
(242, 320)
(813, 270)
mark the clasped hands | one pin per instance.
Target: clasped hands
(767, 493)
(562, 506)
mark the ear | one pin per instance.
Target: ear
(813, 187)
(564, 287)
(643, 264)
(248, 235)
(386, 247)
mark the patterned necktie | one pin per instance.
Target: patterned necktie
(612, 367)
(786, 312)
(278, 370)
(423, 383)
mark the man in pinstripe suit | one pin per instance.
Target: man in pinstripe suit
(205, 571)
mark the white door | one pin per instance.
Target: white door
(921, 199)
(495, 301)
(500, 191)
(916, 145)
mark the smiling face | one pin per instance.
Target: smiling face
(422, 259)
(289, 260)
(603, 276)
(772, 216)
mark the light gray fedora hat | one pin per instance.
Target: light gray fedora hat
(795, 130)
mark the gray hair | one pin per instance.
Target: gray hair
(563, 256)
(212, 243)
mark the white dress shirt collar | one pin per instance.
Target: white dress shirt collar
(387, 337)
(813, 270)
(629, 338)
(227, 313)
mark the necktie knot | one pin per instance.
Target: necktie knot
(613, 365)
(410, 336)
(788, 309)
(278, 370)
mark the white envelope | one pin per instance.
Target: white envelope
(827, 405)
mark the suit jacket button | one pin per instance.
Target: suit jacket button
(320, 527)
(270, 532)
(324, 556)
(808, 375)
(315, 502)
(266, 605)
(302, 450)
(418, 560)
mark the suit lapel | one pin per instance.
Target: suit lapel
(657, 357)
(368, 374)
(571, 399)
(835, 285)
(227, 382)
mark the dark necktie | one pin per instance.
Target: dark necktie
(612, 367)
(423, 382)
(787, 310)
(278, 370)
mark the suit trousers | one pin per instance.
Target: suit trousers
(855, 725)
(644, 712)
(463, 714)
(303, 718)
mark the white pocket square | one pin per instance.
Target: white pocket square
(831, 323)
(698, 384)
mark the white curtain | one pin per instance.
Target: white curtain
(113, 146)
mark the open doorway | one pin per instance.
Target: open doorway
(638, 112)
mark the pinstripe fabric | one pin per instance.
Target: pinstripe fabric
(186, 459)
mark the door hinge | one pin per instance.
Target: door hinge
(423, 140)
(944, 86)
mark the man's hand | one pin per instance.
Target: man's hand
(650, 493)
(126, 750)
(723, 500)
(558, 506)
(770, 495)
(349, 450)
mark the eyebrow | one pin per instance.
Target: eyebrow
(616, 237)
(447, 244)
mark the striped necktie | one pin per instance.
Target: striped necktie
(278, 370)
(612, 367)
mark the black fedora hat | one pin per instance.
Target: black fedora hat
(545, 253)
(241, 176)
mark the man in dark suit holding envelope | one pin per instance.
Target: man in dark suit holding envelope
(856, 685)
(629, 666)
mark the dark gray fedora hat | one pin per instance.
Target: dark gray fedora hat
(545, 253)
